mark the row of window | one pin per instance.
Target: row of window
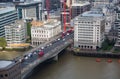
(39, 31)
(40, 36)
(85, 46)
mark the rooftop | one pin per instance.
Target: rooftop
(93, 13)
(48, 23)
(4, 64)
(6, 9)
(81, 3)
(29, 3)
(37, 23)
(18, 24)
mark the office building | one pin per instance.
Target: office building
(7, 15)
(89, 30)
(30, 10)
(6, 0)
(117, 26)
(42, 32)
(16, 33)
(79, 7)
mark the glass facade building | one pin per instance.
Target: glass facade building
(7, 15)
(31, 10)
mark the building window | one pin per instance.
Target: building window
(6, 75)
(1, 76)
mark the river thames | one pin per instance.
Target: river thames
(75, 67)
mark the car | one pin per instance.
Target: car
(68, 34)
(50, 44)
(64, 39)
(42, 47)
(30, 55)
(26, 58)
(34, 53)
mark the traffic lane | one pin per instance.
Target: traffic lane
(58, 42)
(28, 59)
(47, 49)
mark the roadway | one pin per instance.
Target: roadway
(53, 45)
(32, 56)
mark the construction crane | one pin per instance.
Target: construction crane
(67, 5)
(64, 15)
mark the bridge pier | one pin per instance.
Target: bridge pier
(55, 58)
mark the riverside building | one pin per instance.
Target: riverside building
(89, 30)
(16, 33)
(42, 32)
(7, 15)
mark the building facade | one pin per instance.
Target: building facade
(89, 30)
(79, 7)
(10, 70)
(16, 33)
(44, 31)
(101, 2)
(117, 26)
(6, 0)
(30, 10)
(7, 15)
(109, 14)
(18, 1)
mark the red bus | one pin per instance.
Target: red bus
(41, 53)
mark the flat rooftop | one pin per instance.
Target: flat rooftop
(4, 63)
(6, 9)
(29, 3)
(93, 13)
(81, 3)
(48, 23)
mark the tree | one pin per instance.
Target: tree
(29, 30)
(3, 43)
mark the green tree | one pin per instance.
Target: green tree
(108, 44)
(29, 30)
(3, 43)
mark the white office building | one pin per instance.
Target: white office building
(89, 30)
(16, 33)
(44, 31)
(7, 15)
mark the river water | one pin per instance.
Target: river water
(75, 67)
